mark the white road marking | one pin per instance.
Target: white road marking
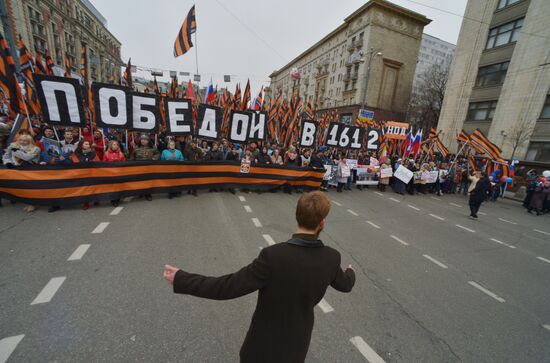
(370, 355)
(256, 222)
(325, 306)
(399, 240)
(374, 225)
(79, 252)
(8, 345)
(100, 227)
(268, 239)
(465, 228)
(491, 294)
(116, 211)
(49, 290)
(352, 212)
(502, 243)
(242, 199)
(413, 207)
(543, 259)
(435, 198)
(127, 199)
(395, 200)
(456, 205)
(442, 265)
(482, 213)
(507, 221)
(380, 194)
(248, 209)
(437, 217)
(547, 327)
(537, 230)
(338, 204)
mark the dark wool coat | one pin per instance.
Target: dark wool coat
(481, 191)
(291, 280)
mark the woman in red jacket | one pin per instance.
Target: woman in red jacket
(113, 154)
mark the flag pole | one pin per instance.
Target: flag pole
(197, 54)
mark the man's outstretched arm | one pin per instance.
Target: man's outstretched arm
(248, 279)
(344, 280)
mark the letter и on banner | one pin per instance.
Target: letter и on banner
(179, 116)
(257, 126)
(60, 100)
(111, 103)
(209, 120)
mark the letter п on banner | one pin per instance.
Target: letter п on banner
(60, 100)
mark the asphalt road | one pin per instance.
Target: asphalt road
(432, 285)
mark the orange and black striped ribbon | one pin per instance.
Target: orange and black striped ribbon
(49, 63)
(183, 40)
(482, 142)
(246, 97)
(9, 87)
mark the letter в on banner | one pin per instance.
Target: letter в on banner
(180, 116)
(309, 133)
(61, 100)
(111, 105)
(239, 125)
(145, 112)
(209, 121)
(257, 126)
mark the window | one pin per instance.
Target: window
(482, 111)
(504, 34)
(491, 75)
(545, 114)
(505, 3)
(538, 151)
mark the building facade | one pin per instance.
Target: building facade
(63, 27)
(334, 71)
(500, 77)
(433, 51)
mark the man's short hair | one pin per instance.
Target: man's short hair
(311, 209)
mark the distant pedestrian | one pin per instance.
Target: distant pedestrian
(291, 277)
(479, 193)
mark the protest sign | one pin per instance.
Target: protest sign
(367, 176)
(328, 172)
(432, 178)
(386, 173)
(351, 163)
(403, 174)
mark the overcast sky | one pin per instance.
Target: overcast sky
(244, 38)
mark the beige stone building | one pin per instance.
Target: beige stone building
(62, 27)
(334, 71)
(500, 77)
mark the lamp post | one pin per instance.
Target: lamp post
(371, 53)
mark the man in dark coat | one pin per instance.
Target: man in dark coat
(291, 277)
(479, 194)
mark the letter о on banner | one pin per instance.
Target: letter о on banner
(209, 121)
(179, 116)
(344, 136)
(309, 133)
(373, 138)
(60, 100)
(239, 126)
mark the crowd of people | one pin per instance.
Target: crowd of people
(49, 146)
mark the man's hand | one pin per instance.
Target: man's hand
(350, 267)
(169, 273)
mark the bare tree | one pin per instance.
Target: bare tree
(519, 134)
(426, 102)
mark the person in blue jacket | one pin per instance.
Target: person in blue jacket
(172, 154)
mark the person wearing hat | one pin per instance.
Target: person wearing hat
(145, 152)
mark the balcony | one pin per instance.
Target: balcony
(355, 75)
(322, 73)
(358, 43)
(39, 32)
(347, 77)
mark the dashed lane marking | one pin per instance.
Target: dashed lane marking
(374, 225)
(435, 198)
(399, 240)
(539, 231)
(338, 204)
(370, 355)
(49, 290)
(242, 199)
(502, 243)
(456, 205)
(100, 227)
(352, 212)
(268, 239)
(395, 200)
(487, 292)
(442, 265)
(547, 327)
(506, 221)
(482, 213)
(325, 306)
(116, 211)
(78, 253)
(248, 209)
(465, 228)
(256, 222)
(437, 217)
(378, 193)
(413, 207)
(8, 345)
(543, 259)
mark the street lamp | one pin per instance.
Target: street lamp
(371, 54)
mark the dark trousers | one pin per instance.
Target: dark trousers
(474, 207)
(339, 187)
